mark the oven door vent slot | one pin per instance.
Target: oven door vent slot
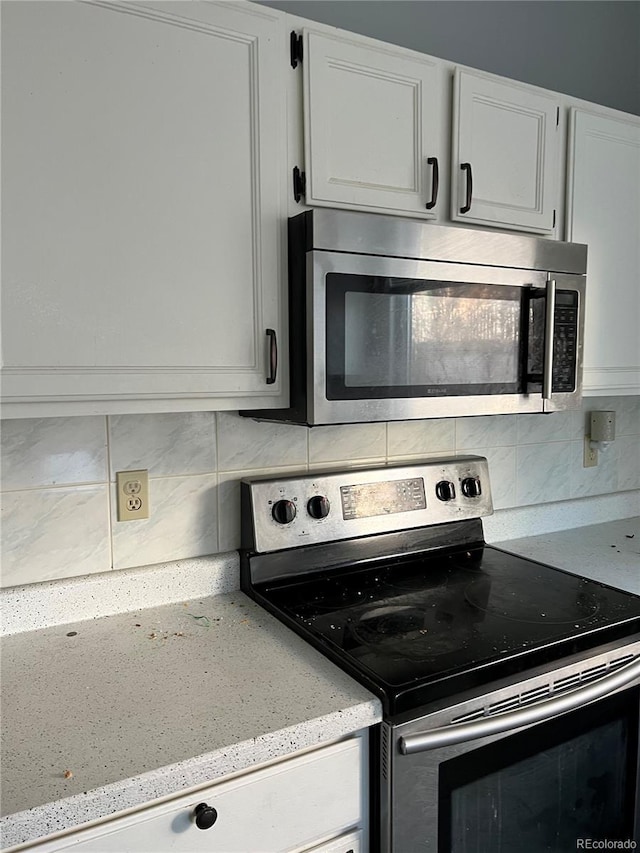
(526, 698)
(534, 695)
(502, 706)
(529, 697)
(620, 661)
(568, 681)
(589, 674)
(595, 671)
(478, 714)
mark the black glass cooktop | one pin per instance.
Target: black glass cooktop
(420, 629)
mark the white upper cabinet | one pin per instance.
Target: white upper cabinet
(377, 122)
(143, 179)
(603, 210)
(505, 154)
(371, 123)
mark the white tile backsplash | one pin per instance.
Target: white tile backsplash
(176, 443)
(183, 523)
(59, 509)
(347, 442)
(245, 444)
(493, 431)
(418, 438)
(548, 472)
(53, 533)
(532, 429)
(52, 452)
(628, 462)
(599, 480)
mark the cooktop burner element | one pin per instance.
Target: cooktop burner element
(411, 601)
(517, 607)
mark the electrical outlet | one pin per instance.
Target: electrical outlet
(590, 459)
(133, 495)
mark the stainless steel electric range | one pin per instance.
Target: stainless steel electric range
(510, 689)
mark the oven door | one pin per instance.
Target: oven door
(557, 784)
(394, 339)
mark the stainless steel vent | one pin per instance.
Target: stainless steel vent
(543, 691)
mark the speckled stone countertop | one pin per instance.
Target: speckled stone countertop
(608, 552)
(144, 704)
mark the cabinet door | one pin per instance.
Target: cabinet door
(141, 159)
(285, 807)
(603, 211)
(504, 161)
(370, 117)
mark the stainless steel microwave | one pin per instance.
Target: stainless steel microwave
(396, 319)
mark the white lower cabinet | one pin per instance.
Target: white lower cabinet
(313, 802)
(352, 842)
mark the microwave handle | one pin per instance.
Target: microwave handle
(547, 710)
(544, 378)
(549, 317)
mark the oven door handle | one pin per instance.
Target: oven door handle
(449, 735)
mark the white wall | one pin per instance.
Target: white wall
(58, 503)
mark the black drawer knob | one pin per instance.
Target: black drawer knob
(205, 816)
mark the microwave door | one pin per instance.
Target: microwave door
(395, 339)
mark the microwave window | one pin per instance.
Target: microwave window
(398, 337)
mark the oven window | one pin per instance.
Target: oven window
(545, 788)
(394, 337)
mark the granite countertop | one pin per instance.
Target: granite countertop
(112, 712)
(608, 552)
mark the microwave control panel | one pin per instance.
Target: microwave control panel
(565, 341)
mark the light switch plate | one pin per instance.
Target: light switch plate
(133, 495)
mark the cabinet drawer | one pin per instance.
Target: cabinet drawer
(287, 806)
(349, 843)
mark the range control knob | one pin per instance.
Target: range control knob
(445, 490)
(318, 506)
(471, 487)
(283, 511)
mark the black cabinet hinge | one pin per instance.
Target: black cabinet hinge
(299, 184)
(295, 44)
